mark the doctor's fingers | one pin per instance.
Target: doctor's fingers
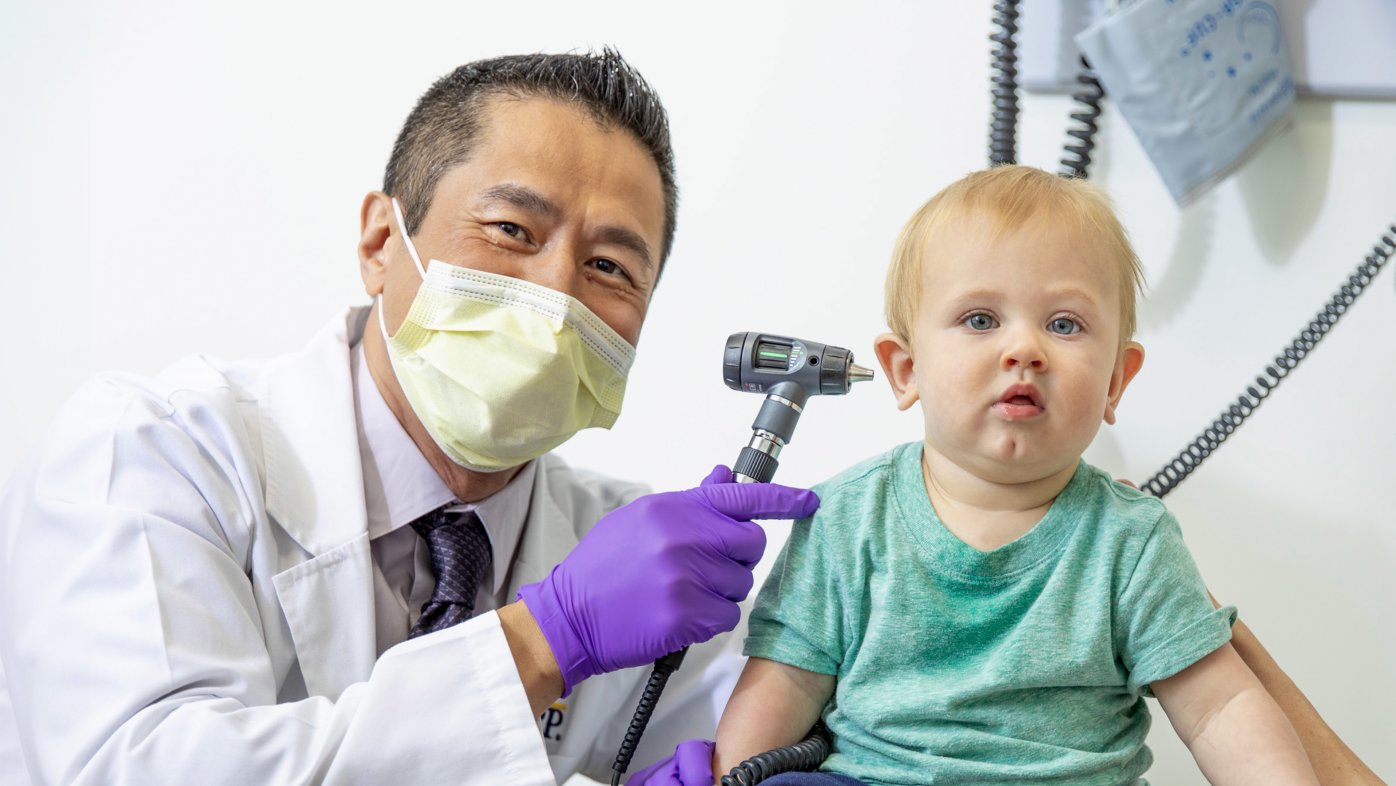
(695, 760)
(720, 575)
(701, 613)
(720, 474)
(742, 542)
(679, 522)
(759, 500)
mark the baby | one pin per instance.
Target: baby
(983, 607)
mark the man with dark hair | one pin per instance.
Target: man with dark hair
(360, 562)
(442, 129)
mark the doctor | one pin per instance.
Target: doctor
(359, 563)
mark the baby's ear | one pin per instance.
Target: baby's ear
(1126, 366)
(897, 364)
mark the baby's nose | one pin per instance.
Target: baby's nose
(1024, 351)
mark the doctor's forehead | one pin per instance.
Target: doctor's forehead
(534, 152)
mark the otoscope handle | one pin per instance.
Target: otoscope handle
(672, 661)
(771, 430)
(753, 466)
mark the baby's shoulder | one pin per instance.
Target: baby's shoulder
(1117, 507)
(873, 474)
(871, 488)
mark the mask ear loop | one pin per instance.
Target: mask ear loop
(416, 260)
(407, 239)
(382, 326)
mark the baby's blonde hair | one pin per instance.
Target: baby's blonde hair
(1011, 196)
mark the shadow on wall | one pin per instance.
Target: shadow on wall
(1283, 188)
(1192, 244)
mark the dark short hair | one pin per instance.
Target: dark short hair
(440, 133)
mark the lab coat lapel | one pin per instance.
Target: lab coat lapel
(310, 439)
(548, 534)
(315, 493)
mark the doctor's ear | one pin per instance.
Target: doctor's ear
(895, 357)
(375, 227)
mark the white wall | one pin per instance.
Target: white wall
(187, 177)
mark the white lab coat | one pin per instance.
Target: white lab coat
(186, 596)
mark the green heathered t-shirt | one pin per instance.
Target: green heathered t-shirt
(1025, 664)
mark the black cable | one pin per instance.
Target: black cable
(1076, 159)
(1003, 127)
(805, 755)
(663, 667)
(1229, 420)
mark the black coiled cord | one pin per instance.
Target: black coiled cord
(1228, 421)
(1003, 127)
(1076, 158)
(804, 755)
(663, 667)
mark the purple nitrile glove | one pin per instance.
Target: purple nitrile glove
(657, 575)
(690, 765)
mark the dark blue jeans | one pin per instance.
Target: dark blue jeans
(811, 779)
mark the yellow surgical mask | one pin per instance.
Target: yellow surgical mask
(499, 370)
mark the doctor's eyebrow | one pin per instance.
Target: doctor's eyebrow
(527, 199)
(624, 238)
(523, 198)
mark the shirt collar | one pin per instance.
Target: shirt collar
(400, 485)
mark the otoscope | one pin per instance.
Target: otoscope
(789, 371)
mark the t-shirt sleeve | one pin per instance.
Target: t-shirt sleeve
(1164, 620)
(797, 616)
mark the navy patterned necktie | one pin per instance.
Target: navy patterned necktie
(460, 558)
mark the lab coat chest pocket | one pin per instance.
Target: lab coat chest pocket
(328, 605)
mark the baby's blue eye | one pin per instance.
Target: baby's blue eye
(1064, 327)
(980, 322)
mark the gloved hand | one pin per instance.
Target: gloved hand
(657, 575)
(691, 765)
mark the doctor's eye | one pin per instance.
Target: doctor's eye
(613, 270)
(980, 321)
(512, 230)
(608, 267)
(1064, 326)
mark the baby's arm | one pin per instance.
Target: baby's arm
(773, 705)
(1235, 730)
(1334, 762)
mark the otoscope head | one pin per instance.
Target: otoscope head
(789, 371)
(755, 362)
